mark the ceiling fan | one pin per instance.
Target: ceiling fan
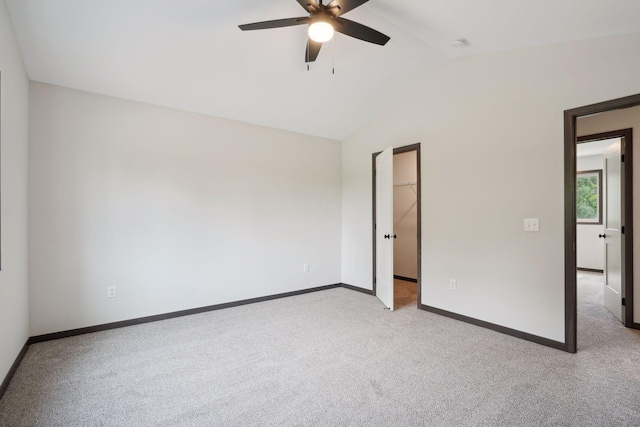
(323, 20)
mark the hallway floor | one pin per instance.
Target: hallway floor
(596, 325)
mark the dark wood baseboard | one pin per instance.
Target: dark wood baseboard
(591, 270)
(357, 289)
(13, 369)
(502, 329)
(406, 279)
(158, 317)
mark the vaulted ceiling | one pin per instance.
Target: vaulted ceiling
(190, 54)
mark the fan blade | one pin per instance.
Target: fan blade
(309, 5)
(359, 31)
(278, 23)
(340, 7)
(312, 51)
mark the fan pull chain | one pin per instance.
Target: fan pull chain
(333, 52)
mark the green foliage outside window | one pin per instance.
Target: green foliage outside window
(587, 197)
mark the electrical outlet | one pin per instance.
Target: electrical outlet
(531, 224)
(305, 268)
(453, 284)
(111, 292)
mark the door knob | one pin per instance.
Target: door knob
(602, 236)
(386, 236)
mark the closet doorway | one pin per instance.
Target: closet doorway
(397, 226)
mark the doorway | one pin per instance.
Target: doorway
(397, 226)
(617, 227)
(600, 202)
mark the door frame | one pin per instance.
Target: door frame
(399, 150)
(570, 169)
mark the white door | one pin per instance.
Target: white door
(384, 227)
(612, 228)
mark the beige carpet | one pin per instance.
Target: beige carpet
(405, 294)
(330, 358)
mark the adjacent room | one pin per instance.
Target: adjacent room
(339, 212)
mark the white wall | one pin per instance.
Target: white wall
(405, 216)
(14, 113)
(178, 210)
(589, 247)
(491, 128)
(616, 120)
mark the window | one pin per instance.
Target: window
(589, 197)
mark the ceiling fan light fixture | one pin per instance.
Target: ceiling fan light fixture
(322, 21)
(321, 29)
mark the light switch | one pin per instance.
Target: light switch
(531, 224)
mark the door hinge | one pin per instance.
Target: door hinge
(623, 229)
(623, 301)
(622, 158)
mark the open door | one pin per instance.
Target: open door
(384, 227)
(612, 229)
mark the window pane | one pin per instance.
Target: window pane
(587, 197)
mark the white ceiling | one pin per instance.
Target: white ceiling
(190, 54)
(595, 148)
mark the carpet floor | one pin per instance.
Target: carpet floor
(334, 358)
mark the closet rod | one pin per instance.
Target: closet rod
(405, 183)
